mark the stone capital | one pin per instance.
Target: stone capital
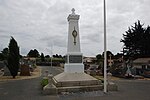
(73, 17)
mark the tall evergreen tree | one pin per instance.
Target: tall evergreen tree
(13, 57)
(146, 40)
(136, 41)
(42, 57)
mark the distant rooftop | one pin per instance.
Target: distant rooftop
(142, 60)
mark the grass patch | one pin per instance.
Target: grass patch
(44, 82)
(99, 78)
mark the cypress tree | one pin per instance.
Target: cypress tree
(13, 57)
(42, 57)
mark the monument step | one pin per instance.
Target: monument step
(80, 88)
(77, 83)
(74, 79)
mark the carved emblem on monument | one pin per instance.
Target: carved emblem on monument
(74, 33)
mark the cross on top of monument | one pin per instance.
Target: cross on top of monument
(73, 11)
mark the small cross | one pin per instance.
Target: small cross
(73, 11)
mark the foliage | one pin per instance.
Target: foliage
(33, 53)
(4, 54)
(44, 82)
(100, 78)
(108, 53)
(1, 57)
(42, 57)
(57, 56)
(13, 57)
(100, 60)
(116, 70)
(60, 60)
(136, 41)
(99, 56)
(47, 56)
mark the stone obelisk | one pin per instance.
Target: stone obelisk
(74, 63)
(73, 78)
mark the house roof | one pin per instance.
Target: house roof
(142, 60)
(30, 58)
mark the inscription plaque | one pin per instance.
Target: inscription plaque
(75, 59)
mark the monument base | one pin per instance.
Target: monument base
(112, 86)
(50, 89)
(73, 82)
(74, 68)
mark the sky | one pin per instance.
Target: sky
(43, 25)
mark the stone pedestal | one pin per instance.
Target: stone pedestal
(74, 68)
(73, 82)
(50, 88)
(74, 63)
(112, 86)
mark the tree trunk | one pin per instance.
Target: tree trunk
(14, 76)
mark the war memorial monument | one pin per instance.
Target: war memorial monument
(73, 79)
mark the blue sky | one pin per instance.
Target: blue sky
(42, 24)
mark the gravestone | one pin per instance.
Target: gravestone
(24, 70)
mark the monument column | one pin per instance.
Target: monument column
(74, 56)
(73, 78)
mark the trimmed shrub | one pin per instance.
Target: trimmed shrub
(44, 82)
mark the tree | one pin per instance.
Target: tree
(13, 57)
(1, 57)
(145, 43)
(99, 56)
(108, 53)
(42, 57)
(47, 56)
(60, 56)
(136, 41)
(4, 54)
(30, 54)
(33, 53)
(57, 56)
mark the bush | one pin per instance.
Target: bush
(44, 82)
